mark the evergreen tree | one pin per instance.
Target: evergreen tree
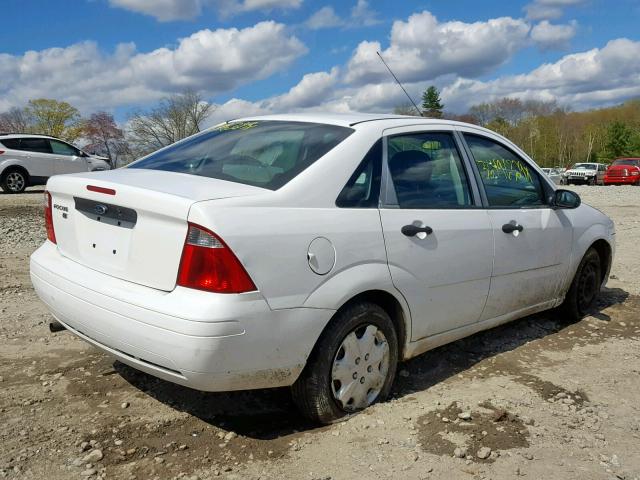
(618, 139)
(431, 103)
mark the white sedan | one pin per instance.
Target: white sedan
(313, 251)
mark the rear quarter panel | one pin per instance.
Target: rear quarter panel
(589, 226)
(272, 243)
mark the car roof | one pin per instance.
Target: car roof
(25, 135)
(354, 118)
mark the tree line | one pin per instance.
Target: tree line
(174, 117)
(551, 134)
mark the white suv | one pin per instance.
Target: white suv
(316, 251)
(27, 160)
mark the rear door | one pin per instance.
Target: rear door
(37, 156)
(438, 238)
(67, 158)
(532, 240)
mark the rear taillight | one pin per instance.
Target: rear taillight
(209, 264)
(48, 217)
(1, 152)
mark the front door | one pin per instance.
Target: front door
(532, 241)
(67, 158)
(439, 242)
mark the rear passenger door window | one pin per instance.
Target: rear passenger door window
(427, 172)
(508, 180)
(37, 145)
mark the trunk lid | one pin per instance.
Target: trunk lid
(138, 232)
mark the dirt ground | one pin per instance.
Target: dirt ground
(537, 398)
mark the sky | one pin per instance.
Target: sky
(267, 56)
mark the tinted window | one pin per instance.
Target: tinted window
(626, 161)
(508, 180)
(61, 148)
(264, 154)
(13, 143)
(427, 172)
(363, 188)
(39, 145)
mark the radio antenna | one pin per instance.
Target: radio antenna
(400, 84)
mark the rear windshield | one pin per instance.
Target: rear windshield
(627, 161)
(263, 154)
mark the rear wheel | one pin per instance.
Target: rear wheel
(584, 287)
(14, 180)
(351, 367)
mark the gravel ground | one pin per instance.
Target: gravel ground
(538, 398)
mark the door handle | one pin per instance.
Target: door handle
(512, 227)
(413, 230)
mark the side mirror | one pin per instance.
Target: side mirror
(565, 199)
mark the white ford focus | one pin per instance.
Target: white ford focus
(315, 251)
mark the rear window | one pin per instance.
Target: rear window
(627, 161)
(12, 143)
(263, 154)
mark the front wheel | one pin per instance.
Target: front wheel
(352, 366)
(584, 287)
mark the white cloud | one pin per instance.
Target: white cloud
(549, 36)
(597, 77)
(580, 80)
(324, 18)
(362, 14)
(170, 10)
(423, 48)
(312, 90)
(549, 9)
(211, 61)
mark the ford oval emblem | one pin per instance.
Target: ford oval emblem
(100, 209)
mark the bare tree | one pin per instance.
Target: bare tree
(174, 118)
(15, 120)
(103, 134)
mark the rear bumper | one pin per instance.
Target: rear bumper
(206, 341)
(628, 180)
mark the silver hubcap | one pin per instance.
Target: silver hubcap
(15, 181)
(360, 368)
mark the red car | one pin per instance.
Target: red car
(623, 171)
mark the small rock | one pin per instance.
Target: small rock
(124, 405)
(159, 460)
(93, 456)
(483, 453)
(230, 436)
(460, 452)
(84, 446)
(464, 416)
(118, 442)
(88, 472)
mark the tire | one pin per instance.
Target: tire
(319, 393)
(584, 288)
(14, 180)
(592, 181)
